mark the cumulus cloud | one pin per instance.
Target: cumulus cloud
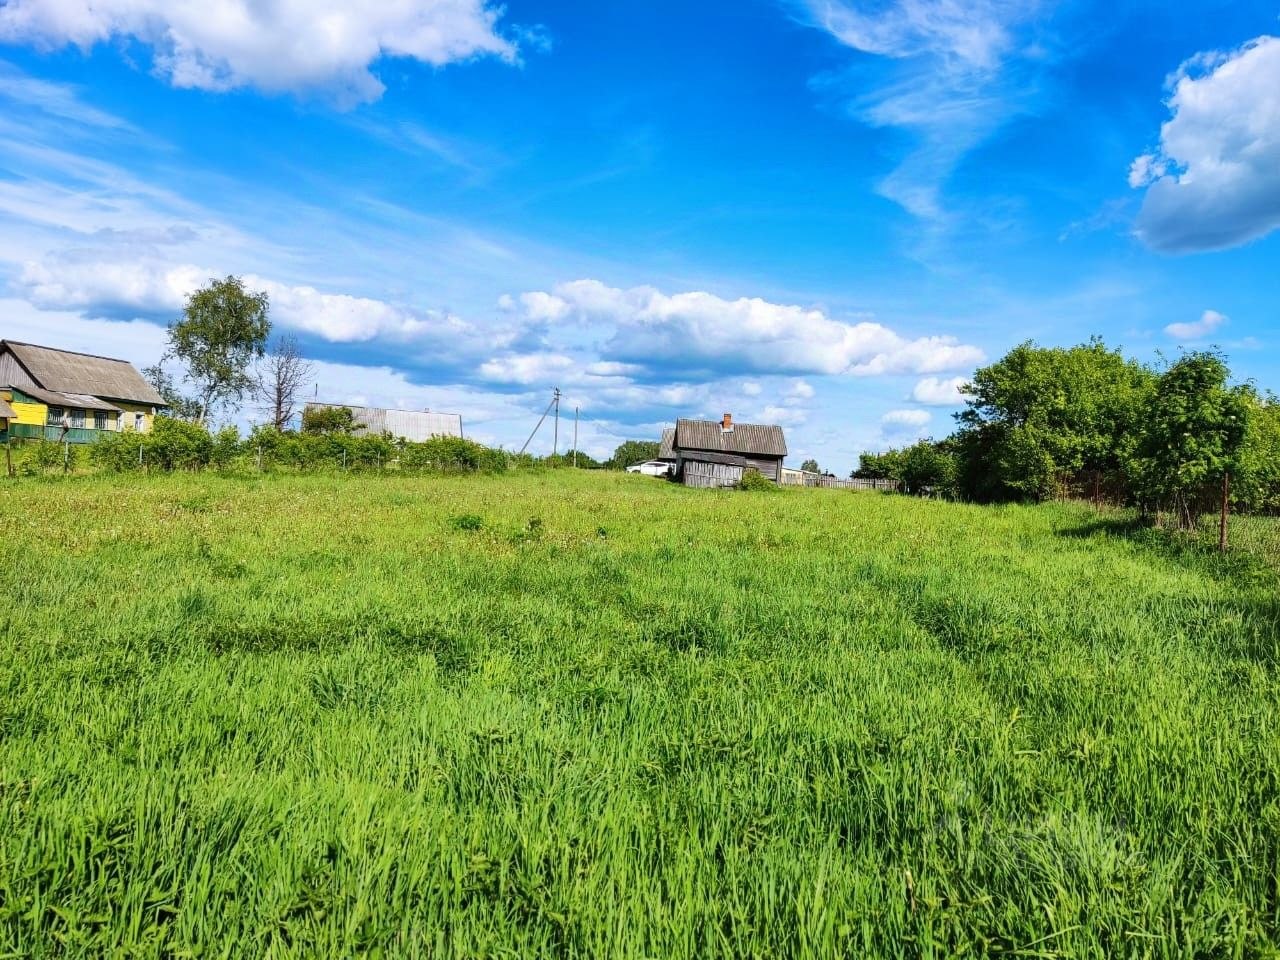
(152, 288)
(939, 391)
(906, 419)
(1209, 321)
(273, 45)
(698, 333)
(1214, 180)
(954, 85)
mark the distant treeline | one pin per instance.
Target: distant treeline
(1085, 421)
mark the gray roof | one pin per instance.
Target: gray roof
(413, 425)
(63, 371)
(667, 448)
(75, 401)
(6, 412)
(750, 439)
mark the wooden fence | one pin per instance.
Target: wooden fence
(855, 483)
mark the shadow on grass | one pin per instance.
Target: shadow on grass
(1254, 578)
(1197, 550)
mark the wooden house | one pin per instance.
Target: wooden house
(710, 453)
(73, 397)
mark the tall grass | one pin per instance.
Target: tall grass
(598, 715)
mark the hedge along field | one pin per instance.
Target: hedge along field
(585, 714)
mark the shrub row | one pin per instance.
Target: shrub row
(180, 445)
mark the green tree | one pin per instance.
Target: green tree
(222, 331)
(1040, 414)
(329, 420)
(1255, 486)
(1195, 425)
(632, 452)
(811, 466)
(879, 466)
(177, 404)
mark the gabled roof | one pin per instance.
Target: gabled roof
(64, 371)
(6, 412)
(667, 448)
(748, 439)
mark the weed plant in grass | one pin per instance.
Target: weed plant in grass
(597, 715)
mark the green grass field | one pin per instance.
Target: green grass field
(573, 714)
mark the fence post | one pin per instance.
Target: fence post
(66, 457)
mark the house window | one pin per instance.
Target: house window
(77, 419)
(139, 422)
(99, 419)
(54, 417)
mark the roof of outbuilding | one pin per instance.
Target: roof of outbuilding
(667, 448)
(64, 371)
(750, 439)
(6, 412)
(75, 401)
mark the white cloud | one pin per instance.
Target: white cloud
(273, 45)
(701, 333)
(801, 391)
(954, 85)
(529, 368)
(908, 419)
(784, 416)
(939, 392)
(1214, 181)
(1209, 321)
(751, 388)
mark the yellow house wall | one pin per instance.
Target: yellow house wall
(32, 414)
(148, 418)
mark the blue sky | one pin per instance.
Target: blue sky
(822, 213)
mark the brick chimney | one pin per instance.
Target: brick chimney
(727, 423)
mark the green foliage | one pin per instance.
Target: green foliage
(584, 461)
(632, 452)
(1039, 413)
(879, 466)
(757, 481)
(1195, 428)
(222, 331)
(330, 420)
(1255, 484)
(177, 404)
(927, 467)
(307, 716)
(811, 466)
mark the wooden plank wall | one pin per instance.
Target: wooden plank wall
(699, 474)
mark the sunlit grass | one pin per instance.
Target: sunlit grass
(599, 715)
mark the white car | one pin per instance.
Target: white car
(651, 468)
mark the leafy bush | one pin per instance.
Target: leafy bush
(755, 480)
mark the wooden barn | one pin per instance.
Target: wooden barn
(716, 454)
(71, 397)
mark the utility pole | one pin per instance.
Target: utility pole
(555, 436)
(575, 436)
(555, 402)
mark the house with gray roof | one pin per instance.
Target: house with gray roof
(73, 397)
(711, 453)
